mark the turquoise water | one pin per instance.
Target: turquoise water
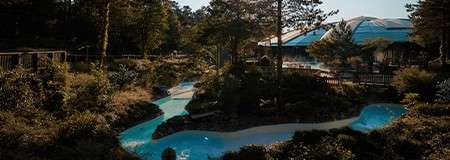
(193, 145)
(199, 145)
(134, 138)
(377, 116)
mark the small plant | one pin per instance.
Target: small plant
(124, 76)
(443, 91)
(414, 80)
(411, 99)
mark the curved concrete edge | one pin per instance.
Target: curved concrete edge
(286, 128)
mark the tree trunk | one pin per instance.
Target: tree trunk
(234, 52)
(446, 47)
(443, 49)
(105, 34)
(279, 52)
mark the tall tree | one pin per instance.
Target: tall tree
(298, 14)
(100, 13)
(154, 25)
(174, 36)
(234, 24)
(337, 48)
(431, 22)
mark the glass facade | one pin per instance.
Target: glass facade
(368, 30)
(306, 39)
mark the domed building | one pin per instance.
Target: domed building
(400, 52)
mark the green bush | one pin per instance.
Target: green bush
(297, 86)
(84, 125)
(443, 91)
(165, 74)
(251, 152)
(93, 95)
(124, 76)
(54, 114)
(55, 83)
(19, 89)
(147, 73)
(411, 99)
(80, 67)
(353, 92)
(413, 80)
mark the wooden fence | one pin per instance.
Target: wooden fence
(111, 58)
(334, 79)
(374, 79)
(29, 60)
(94, 58)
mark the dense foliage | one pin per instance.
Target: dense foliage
(253, 91)
(431, 27)
(337, 48)
(55, 114)
(443, 91)
(414, 80)
(102, 26)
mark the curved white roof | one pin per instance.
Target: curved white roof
(364, 28)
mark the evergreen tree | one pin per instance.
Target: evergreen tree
(298, 14)
(154, 25)
(431, 22)
(234, 24)
(337, 48)
(173, 39)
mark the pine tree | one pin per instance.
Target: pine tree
(337, 47)
(298, 14)
(432, 22)
(154, 25)
(173, 39)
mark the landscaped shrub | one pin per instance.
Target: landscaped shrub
(55, 83)
(228, 99)
(84, 125)
(413, 80)
(298, 86)
(251, 152)
(146, 73)
(228, 92)
(165, 74)
(124, 76)
(411, 99)
(55, 114)
(443, 91)
(19, 89)
(355, 93)
(93, 95)
(80, 67)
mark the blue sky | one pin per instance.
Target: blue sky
(347, 8)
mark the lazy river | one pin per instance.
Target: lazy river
(199, 145)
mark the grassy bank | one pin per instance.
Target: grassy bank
(64, 112)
